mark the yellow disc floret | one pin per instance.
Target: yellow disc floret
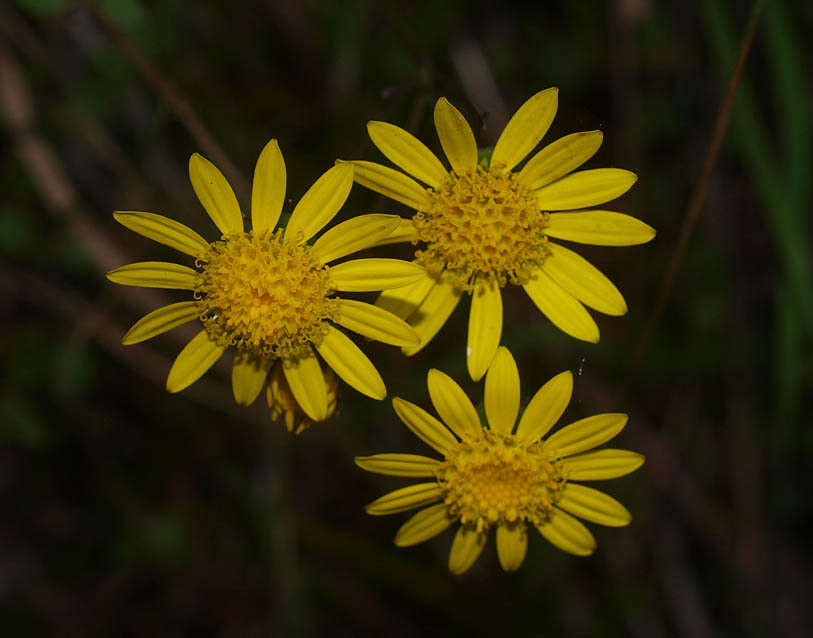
(263, 294)
(482, 223)
(493, 480)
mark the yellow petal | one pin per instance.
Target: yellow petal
(215, 195)
(602, 464)
(364, 275)
(599, 227)
(433, 312)
(424, 425)
(399, 464)
(512, 544)
(467, 546)
(268, 189)
(559, 158)
(248, 377)
(364, 231)
(159, 321)
(390, 183)
(452, 404)
(592, 505)
(456, 136)
(307, 383)
(586, 434)
(424, 525)
(404, 301)
(193, 361)
(404, 232)
(568, 534)
(375, 323)
(163, 230)
(351, 364)
(585, 188)
(408, 152)
(502, 392)
(524, 130)
(584, 281)
(562, 308)
(545, 408)
(406, 498)
(320, 203)
(154, 274)
(485, 328)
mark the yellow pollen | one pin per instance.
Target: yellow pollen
(482, 223)
(263, 294)
(492, 480)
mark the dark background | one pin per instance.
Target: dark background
(127, 511)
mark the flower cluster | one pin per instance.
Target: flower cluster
(271, 293)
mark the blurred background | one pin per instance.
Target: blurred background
(128, 511)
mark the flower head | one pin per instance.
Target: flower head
(267, 292)
(484, 224)
(499, 476)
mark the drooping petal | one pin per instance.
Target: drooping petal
(364, 231)
(585, 188)
(376, 273)
(512, 544)
(433, 312)
(586, 434)
(545, 408)
(425, 426)
(351, 364)
(406, 498)
(583, 280)
(307, 383)
(154, 274)
(375, 323)
(592, 505)
(248, 377)
(159, 321)
(399, 464)
(467, 546)
(320, 203)
(268, 188)
(562, 308)
(485, 328)
(456, 136)
(390, 183)
(452, 404)
(404, 301)
(559, 158)
(602, 464)
(163, 230)
(568, 534)
(408, 152)
(599, 227)
(426, 524)
(502, 392)
(215, 195)
(524, 130)
(193, 361)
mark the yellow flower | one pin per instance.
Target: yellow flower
(498, 476)
(484, 224)
(268, 292)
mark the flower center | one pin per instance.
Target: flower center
(263, 294)
(493, 480)
(482, 223)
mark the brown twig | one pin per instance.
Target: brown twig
(698, 196)
(176, 100)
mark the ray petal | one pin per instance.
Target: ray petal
(193, 361)
(485, 328)
(390, 183)
(404, 301)
(559, 158)
(408, 152)
(248, 375)
(375, 323)
(525, 129)
(163, 230)
(215, 194)
(160, 321)
(586, 434)
(425, 426)
(456, 136)
(426, 524)
(502, 392)
(433, 312)
(358, 233)
(545, 408)
(602, 464)
(452, 404)
(307, 383)
(320, 203)
(467, 546)
(592, 505)
(512, 544)
(568, 534)
(599, 227)
(351, 364)
(399, 464)
(585, 188)
(268, 188)
(154, 274)
(375, 273)
(562, 308)
(406, 498)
